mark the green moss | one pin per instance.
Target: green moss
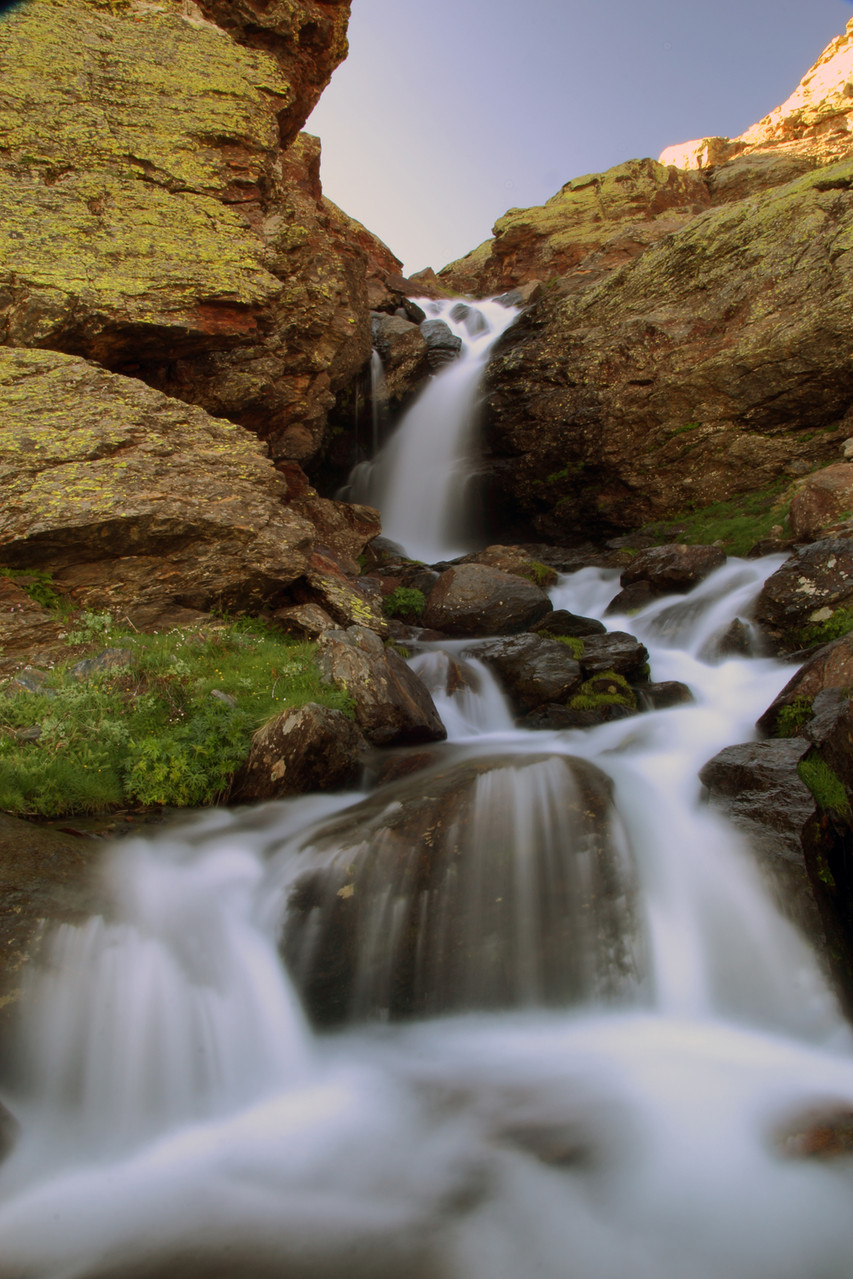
(832, 628)
(40, 588)
(794, 717)
(826, 786)
(607, 689)
(405, 602)
(152, 729)
(573, 643)
(542, 574)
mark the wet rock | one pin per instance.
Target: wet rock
(9, 1130)
(807, 589)
(831, 667)
(736, 641)
(533, 670)
(474, 599)
(408, 905)
(664, 695)
(391, 703)
(311, 748)
(616, 651)
(758, 788)
(403, 350)
(555, 716)
(443, 346)
(44, 876)
(673, 569)
(632, 598)
(562, 622)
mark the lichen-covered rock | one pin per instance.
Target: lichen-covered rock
(129, 497)
(151, 218)
(392, 706)
(310, 748)
(595, 222)
(673, 569)
(475, 599)
(807, 590)
(716, 363)
(346, 600)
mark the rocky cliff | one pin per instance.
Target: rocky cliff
(161, 215)
(691, 341)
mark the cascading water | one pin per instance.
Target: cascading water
(641, 1051)
(420, 480)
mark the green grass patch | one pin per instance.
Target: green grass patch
(168, 723)
(406, 602)
(737, 524)
(826, 786)
(573, 643)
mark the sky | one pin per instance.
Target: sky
(448, 112)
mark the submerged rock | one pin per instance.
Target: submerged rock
(533, 670)
(486, 883)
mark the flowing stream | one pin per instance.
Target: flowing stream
(576, 1038)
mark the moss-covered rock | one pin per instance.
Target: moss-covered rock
(152, 219)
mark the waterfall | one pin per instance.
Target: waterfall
(421, 478)
(572, 1034)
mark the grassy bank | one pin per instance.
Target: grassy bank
(138, 720)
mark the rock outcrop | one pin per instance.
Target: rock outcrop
(182, 237)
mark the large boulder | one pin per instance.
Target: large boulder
(309, 748)
(129, 497)
(152, 218)
(807, 590)
(408, 904)
(715, 364)
(673, 569)
(392, 706)
(475, 599)
(822, 499)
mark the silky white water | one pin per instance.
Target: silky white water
(178, 1117)
(420, 480)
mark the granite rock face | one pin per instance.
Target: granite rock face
(161, 215)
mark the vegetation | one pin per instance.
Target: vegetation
(406, 602)
(573, 643)
(736, 524)
(831, 628)
(826, 786)
(794, 717)
(607, 689)
(40, 588)
(540, 574)
(148, 719)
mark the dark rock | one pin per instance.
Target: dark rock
(673, 569)
(663, 696)
(404, 354)
(616, 651)
(533, 670)
(632, 598)
(407, 905)
(473, 319)
(553, 716)
(474, 599)
(443, 345)
(808, 588)
(758, 788)
(304, 621)
(311, 748)
(9, 1130)
(830, 667)
(392, 704)
(736, 641)
(110, 659)
(561, 622)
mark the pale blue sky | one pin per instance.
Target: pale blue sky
(448, 112)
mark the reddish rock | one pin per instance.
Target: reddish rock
(823, 499)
